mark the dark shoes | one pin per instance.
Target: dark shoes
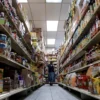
(51, 84)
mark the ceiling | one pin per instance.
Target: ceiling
(39, 12)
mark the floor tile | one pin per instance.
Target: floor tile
(48, 92)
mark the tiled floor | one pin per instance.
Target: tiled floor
(51, 93)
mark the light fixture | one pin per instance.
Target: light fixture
(53, 1)
(52, 25)
(50, 41)
(22, 1)
(53, 49)
(50, 50)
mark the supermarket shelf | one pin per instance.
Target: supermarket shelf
(89, 24)
(81, 91)
(66, 52)
(85, 67)
(12, 63)
(19, 13)
(8, 94)
(15, 45)
(61, 84)
(85, 92)
(93, 41)
(10, 19)
(87, 27)
(22, 19)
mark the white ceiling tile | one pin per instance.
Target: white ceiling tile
(45, 34)
(50, 46)
(37, 1)
(40, 24)
(67, 1)
(59, 39)
(60, 35)
(51, 35)
(58, 43)
(53, 11)
(27, 9)
(64, 11)
(45, 37)
(61, 26)
(38, 11)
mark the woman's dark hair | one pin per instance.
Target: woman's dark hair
(50, 62)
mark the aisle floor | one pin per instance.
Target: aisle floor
(54, 92)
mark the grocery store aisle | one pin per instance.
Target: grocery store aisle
(54, 92)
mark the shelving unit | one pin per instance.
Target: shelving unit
(65, 51)
(10, 19)
(5, 95)
(15, 45)
(83, 32)
(12, 63)
(91, 42)
(29, 47)
(79, 60)
(21, 49)
(84, 67)
(81, 91)
(82, 52)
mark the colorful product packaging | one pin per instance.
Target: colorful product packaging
(96, 85)
(7, 84)
(3, 38)
(1, 80)
(82, 81)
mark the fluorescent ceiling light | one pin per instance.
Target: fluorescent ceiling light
(52, 25)
(53, 1)
(50, 41)
(53, 49)
(22, 1)
(50, 50)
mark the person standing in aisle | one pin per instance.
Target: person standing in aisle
(51, 73)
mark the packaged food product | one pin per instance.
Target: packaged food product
(19, 59)
(1, 86)
(3, 48)
(24, 61)
(13, 55)
(2, 21)
(3, 38)
(96, 70)
(96, 85)
(68, 79)
(93, 30)
(89, 71)
(73, 80)
(82, 81)
(21, 81)
(7, 84)
(84, 41)
(90, 85)
(97, 24)
(2, 14)
(14, 35)
(97, 52)
(97, 2)
(1, 80)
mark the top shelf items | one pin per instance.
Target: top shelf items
(19, 13)
(13, 19)
(81, 30)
